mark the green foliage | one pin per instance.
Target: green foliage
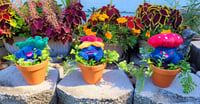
(37, 60)
(186, 80)
(10, 58)
(66, 3)
(138, 73)
(191, 17)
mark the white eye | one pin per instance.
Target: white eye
(166, 37)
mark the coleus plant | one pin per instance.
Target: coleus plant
(5, 18)
(46, 19)
(73, 15)
(154, 16)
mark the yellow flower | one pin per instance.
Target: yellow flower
(89, 32)
(147, 34)
(166, 31)
(108, 35)
(121, 20)
(136, 31)
(95, 16)
(103, 17)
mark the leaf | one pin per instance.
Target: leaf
(178, 21)
(13, 23)
(156, 18)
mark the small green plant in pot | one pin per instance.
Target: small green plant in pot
(32, 59)
(92, 59)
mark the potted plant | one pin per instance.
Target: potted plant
(47, 19)
(92, 58)
(165, 62)
(118, 33)
(12, 26)
(32, 59)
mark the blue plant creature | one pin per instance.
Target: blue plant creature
(27, 52)
(171, 55)
(91, 52)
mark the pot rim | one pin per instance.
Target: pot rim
(164, 70)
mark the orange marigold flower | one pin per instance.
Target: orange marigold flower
(89, 32)
(147, 34)
(95, 16)
(103, 17)
(108, 35)
(166, 31)
(84, 28)
(136, 31)
(121, 20)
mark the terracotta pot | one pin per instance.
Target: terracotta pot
(163, 78)
(34, 74)
(92, 74)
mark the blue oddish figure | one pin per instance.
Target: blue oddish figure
(30, 47)
(165, 45)
(27, 52)
(170, 54)
(91, 52)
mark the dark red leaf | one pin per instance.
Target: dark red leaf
(156, 18)
(1, 17)
(178, 21)
(76, 21)
(149, 16)
(83, 16)
(147, 22)
(162, 20)
(48, 31)
(140, 26)
(144, 18)
(5, 6)
(164, 12)
(69, 19)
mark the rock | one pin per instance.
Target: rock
(195, 53)
(152, 94)
(3, 52)
(15, 90)
(198, 73)
(187, 35)
(114, 88)
(2, 66)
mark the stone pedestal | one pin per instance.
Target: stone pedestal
(195, 53)
(114, 88)
(152, 94)
(15, 90)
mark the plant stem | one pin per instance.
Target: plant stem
(110, 4)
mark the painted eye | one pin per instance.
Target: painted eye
(161, 52)
(23, 51)
(171, 52)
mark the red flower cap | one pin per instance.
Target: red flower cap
(170, 40)
(91, 38)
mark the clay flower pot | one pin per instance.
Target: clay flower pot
(92, 74)
(163, 78)
(34, 74)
